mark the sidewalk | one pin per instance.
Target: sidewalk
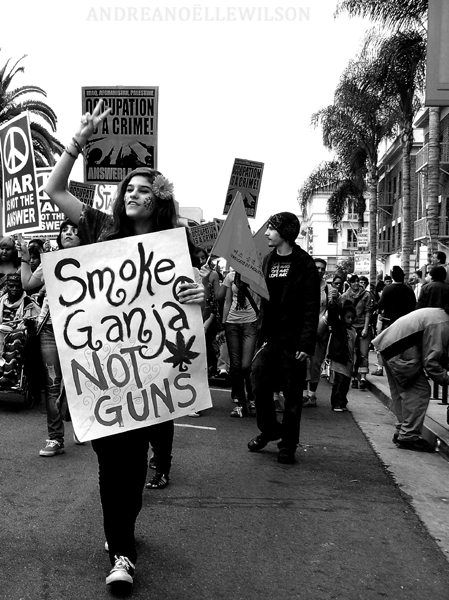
(436, 427)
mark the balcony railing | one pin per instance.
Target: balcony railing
(421, 229)
(351, 245)
(422, 156)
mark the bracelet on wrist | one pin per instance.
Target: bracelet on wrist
(77, 145)
(74, 156)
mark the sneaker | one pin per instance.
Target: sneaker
(194, 414)
(121, 572)
(355, 384)
(237, 411)
(52, 448)
(362, 384)
(338, 409)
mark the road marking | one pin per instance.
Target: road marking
(195, 426)
(219, 389)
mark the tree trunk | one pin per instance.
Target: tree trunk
(372, 195)
(433, 174)
(407, 221)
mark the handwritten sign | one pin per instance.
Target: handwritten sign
(131, 354)
(126, 138)
(21, 210)
(246, 178)
(51, 216)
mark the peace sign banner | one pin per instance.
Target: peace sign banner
(21, 208)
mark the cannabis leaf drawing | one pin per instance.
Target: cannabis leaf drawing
(181, 353)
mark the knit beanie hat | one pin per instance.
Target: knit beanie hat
(287, 225)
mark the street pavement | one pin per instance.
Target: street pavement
(346, 522)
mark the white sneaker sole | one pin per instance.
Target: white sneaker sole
(119, 577)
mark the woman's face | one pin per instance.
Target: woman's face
(35, 261)
(139, 198)
(6, 250)
(202, 257)
(69, 236)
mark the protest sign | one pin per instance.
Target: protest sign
(235, 243)
(261, 242)
(246, 178)
(126, 138)
(362, 238)
(104, 197)
(131, 354)
(21, 210)
(51, 216)
(204, 235)
(85, 192)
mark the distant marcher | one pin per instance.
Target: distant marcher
(341, 352)
(9, 261)
(414, 348)
(435, 293)
(439, 260)
(361, 300)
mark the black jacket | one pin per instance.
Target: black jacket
(297, 321)
(338, 349)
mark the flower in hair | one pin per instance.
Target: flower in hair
(162, 188)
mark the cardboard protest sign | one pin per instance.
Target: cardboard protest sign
(362, 262)
(261, 242)
(85, 192)
(246, 178)
(21, 210)
(204, 235)
(131, 354)
(235, 243)
(126, 138)
(51, 216)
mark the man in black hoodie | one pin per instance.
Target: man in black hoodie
(289, 321)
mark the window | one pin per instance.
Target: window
(332, 236)
(352, 239)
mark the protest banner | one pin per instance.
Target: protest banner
(131, 354)
(20, 206)
(246, 178)
(85, 192)
(235, 243)
(261, 242)
(126, 138)
(204, 235)
(51, 216)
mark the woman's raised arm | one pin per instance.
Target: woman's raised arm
(56, 186)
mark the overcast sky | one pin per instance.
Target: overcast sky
(235, 80)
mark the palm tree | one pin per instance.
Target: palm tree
(345, 184)
(433, 178)
(16, 100)
(398, 69)
(360, 118)
(392, 13)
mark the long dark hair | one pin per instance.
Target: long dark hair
(163, 217)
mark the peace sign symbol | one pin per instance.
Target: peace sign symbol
(15, 150)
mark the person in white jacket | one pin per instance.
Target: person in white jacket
(413, 348)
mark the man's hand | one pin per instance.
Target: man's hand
(364, 332)
(301, 356)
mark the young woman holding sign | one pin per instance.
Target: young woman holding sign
(144, 203)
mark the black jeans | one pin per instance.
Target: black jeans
(122, 469)
(340, 389)
(274, 367)
(241, 340)
(161, 440)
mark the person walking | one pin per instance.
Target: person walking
(240, 314)
(435, 293)
(361, 300)
(144, 203)
(288, 321)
